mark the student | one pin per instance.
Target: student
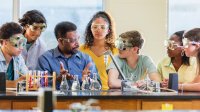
(191, 44)
(177, 61)
(33, 23)
(66, 59)
(100, 37)
(133, 65)
(11, 62)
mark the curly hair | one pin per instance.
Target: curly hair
(134, 38)
(9, 29)
(32, 16)
(110, 37)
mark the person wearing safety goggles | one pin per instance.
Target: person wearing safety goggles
(11, 62)
(133, 65)
(66, 59)
(177, 61)
(100, 37)
(191, 43)
(33, 23)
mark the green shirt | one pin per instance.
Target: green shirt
(144, 65)
(10, 71)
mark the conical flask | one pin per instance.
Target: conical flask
(95, 85)
(64, 85)
(85, 84)
(75, 84)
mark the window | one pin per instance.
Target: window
(76, 11)
(183, 15)
(6, 11)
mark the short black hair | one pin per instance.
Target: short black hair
(9, 29)
(63, 27)
(32, 16)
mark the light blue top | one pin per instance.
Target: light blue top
(144, 65)
(31, 56)
(50, 61)
(19, 65)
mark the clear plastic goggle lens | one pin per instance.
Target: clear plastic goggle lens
(171, 45)
(38, 26)
(99, 26)
(18, 41)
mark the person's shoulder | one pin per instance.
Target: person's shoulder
(19, 57)
(115, 51)
(144, 57)
(41, 42)
(48, 53)
(82, 54)
(165, 60)
(83, 48)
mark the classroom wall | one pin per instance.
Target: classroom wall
(147, 16)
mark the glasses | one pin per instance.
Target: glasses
(18, 41)
(99, 26)
(187, 42)
(172, 45)
(71, 40)
(122, 44)
(37, 26)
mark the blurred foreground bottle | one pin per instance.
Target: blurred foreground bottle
(46, 100)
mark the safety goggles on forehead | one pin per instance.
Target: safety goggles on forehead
(187, 42)
(97, 26)
(71, 40)
(172, 45)
(18, 41)
(37, 26)
(122, 44)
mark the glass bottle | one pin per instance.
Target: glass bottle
(75, 84)
(95, 85)
(85, 84)
(64, 85)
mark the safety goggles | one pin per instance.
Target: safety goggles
(187, 42)
(172, 45)
(37, 26)
(122, 44)
(18, 41)
(71, 40)
(99, 26)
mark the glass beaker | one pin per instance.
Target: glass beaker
(75, 84)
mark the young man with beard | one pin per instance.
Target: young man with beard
(66, 59)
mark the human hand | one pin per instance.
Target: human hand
(86, 72)
(164, 83)
(64, 72)
(23, 77)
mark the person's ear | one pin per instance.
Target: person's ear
(25, 27)
(108, 31)
(135, 49)
(197, 46)
(60, 41)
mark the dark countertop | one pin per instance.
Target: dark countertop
(105, 111)
(110, 94)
